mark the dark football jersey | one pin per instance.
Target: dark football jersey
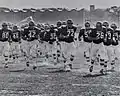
(98, 36)
(16, 36)
(86, 34)
(67, 34)
(31, 33)
(41, 34)
(53, 35)
(115, 38)
(46, 35)
(108, 35)
(5, 35)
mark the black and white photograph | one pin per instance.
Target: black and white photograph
(59, 47)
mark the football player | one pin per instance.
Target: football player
(59, 23)
(66, 38)
(64, 23)
(85, 33)
(97, 35)
(31, 34)
(16, 41)
(5, 42)
(115, 44)
(108, 35)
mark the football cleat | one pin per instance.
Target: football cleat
(10, 56)
(64, 61)
(6, 66)
(67, 68)
(102, 72)
(34, 67)
(113, 68)
(54, 58)
(70, 66)
(91, 69)
(40, 53)
(54, 54)
(46, 56)
(58, 51)
(14, 57)
(84, 54)
(58, 55)
(27, 64)
(6, 59)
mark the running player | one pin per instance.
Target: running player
(66, 38)
(115, 44)
(16, 41)
(97, 36)
(31, 35)
(5, 42)
(87, 41)
(108, 35)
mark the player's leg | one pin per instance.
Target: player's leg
(6, 53)
(70, 55)
(93, 55)
(115, 57)
(27, 56)
(87, 49)
(103, 59)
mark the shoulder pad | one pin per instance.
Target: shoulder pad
(63, 26)
(9, 29)
(75, 26)
(56, 29)
(82, 29)
(26, 28)
(103, 26)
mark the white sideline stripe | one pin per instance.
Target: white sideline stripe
(94, 85)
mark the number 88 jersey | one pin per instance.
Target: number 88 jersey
(5, 35)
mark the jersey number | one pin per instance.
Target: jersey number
(115, 37)
(15, 35)
(32, 33)
(109, 35)
(52, 35)
(87, 33)
(70, 32)
(100, 35)
(5, 35)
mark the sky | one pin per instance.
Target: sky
(58, 3)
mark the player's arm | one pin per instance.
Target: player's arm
(25, 35)
(20, 35)
(10, 37)
(94, 35)
(58, 33)
(75, 32)
(40, 35)
(37, 33)
(80, 34)
(119, 35)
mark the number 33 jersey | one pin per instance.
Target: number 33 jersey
(5, 35)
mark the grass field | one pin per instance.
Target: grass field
(48, 81)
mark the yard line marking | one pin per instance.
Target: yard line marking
(94, 85)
